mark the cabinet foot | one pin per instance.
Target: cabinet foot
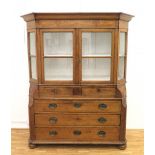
(122, 146)
(32, 146)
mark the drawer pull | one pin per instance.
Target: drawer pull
(53, 133)
(102, 120)
(52, 105)
(53, 120)
(77, 105)
(101, 133)
(102, 106)
(77, 132)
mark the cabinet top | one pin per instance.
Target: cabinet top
(87, 16)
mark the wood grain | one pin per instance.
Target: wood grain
(77, 134)
(70, 106)
(74, 119)
(20, 146)
(77, 15)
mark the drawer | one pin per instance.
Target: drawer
(77, 134)
(68, 119)
(56, 91)
(98, 91)
(77, 106)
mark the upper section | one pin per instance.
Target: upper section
(77, 48)
(70, 16)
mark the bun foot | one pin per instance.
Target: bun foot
(32, 146)
(122, 146)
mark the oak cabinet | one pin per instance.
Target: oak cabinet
(77, 64)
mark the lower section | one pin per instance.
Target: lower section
(94, 117)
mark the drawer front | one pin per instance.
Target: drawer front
(98, 91)
(48, 91)
(77, 106)
(56, 119)
(77, 134)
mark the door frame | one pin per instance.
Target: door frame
(57, 82)
(111, 81)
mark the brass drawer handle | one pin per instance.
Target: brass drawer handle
(53, 133)
(77, 132)
(53, 120)
(101, 133)
(102, 106)
(77, 105)
(102, 120)
(52, 106)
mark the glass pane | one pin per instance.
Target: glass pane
(96, 69)
(58, 68)
(122, 44)
(32, 43)
(96, 43)
(33, 68)
(58, 43)
(121, 68)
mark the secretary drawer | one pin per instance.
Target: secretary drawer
(58, 91)
(77, 134)
(77, 106)
(56, 119)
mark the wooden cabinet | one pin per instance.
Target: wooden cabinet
(77, 64)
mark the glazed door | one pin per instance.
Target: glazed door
(96, 55)
(77, 56)
(58, 55)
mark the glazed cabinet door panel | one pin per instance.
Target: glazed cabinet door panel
(96, 55)
(96, 69)
(122, 55)
(58, 55)
(32, 54)
(96, 43)
(33, 68)
(58, 43)
(58, 68)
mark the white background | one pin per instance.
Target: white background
(14, 62)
